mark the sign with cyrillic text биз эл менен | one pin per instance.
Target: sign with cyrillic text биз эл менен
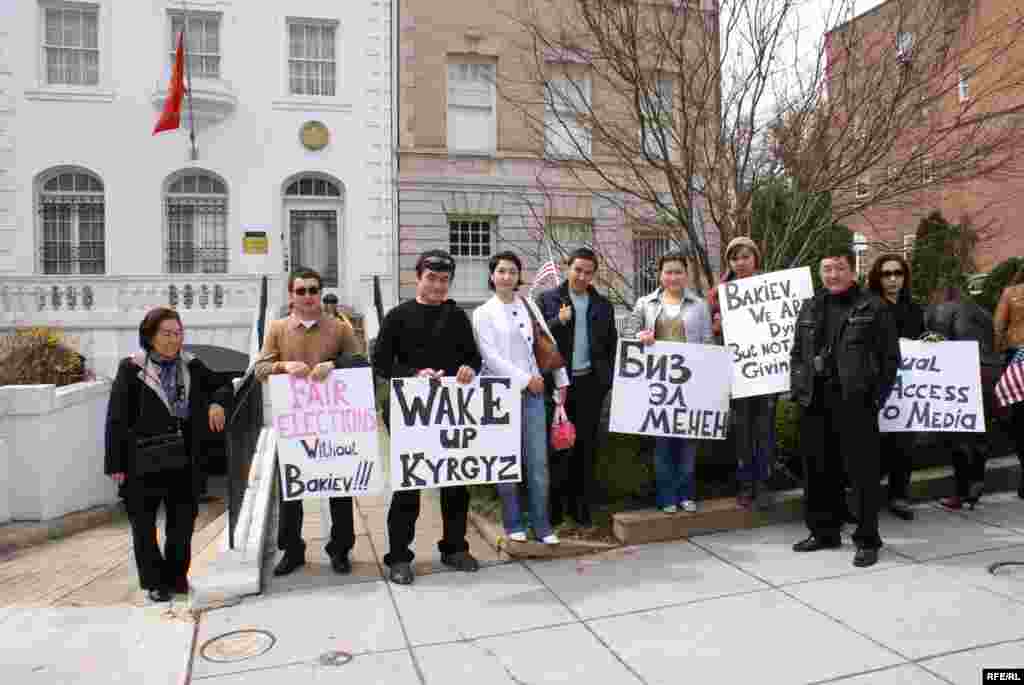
(937, 389)
(446, 433)
(671, 389)
(758, 323)
(327, 443)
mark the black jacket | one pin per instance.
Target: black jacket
(867, 352)
(127, 420)
(909, 317)
(604, 338)
(965, 321)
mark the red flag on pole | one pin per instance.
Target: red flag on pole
(170, 118)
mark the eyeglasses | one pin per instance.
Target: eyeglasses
(301, 292)
(898, 273)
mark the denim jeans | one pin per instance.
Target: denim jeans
(674, 460)
(535, 463)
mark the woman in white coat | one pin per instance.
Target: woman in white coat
(504, 328)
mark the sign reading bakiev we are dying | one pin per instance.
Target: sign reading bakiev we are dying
(758, 322)
(446, 433)
(327, 435)
(937, 390)
(671, 389)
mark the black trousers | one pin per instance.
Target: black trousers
(289, 527)
(838, 436)
(405, 510)
(970, 452)
(572, 471)
(897, 462)
(143, 497)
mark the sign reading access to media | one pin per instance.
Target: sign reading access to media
(445, 433)
(327, 435)
(758, 322)
(937, 390)
(671, 389)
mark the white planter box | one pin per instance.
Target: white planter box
(51, 450)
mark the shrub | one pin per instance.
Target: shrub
(37, 356)
(997, 279)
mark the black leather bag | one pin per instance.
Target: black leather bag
(161, 452)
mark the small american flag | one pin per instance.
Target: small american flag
(1010, 388)
(548, 271)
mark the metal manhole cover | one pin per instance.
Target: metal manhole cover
(335, 658)
(238, 645)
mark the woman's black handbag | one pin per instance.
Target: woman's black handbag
(161, 452)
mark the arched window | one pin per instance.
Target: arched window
(72, 219)
(313, 206)
(197, 213)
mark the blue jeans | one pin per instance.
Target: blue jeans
(535, 463)
(674, 460)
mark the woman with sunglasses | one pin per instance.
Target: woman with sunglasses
(889, 278)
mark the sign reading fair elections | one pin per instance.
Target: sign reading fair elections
(937, 390)
(445, 433)
(669, 388)
(327, 435)
(758, 322)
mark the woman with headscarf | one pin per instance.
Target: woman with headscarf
(162, 403)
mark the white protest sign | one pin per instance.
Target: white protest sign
(668, 388)
(327, 435)
(445, 433)
(937, 390)
(758, 323)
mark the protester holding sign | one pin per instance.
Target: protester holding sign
(889, 278)
(1009, 338)
(305, 344)
(505, 329)
(843, 364)
(428, 337)
(674, 313)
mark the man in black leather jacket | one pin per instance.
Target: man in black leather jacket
(843, 364)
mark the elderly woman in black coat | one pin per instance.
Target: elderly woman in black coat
(163, 404)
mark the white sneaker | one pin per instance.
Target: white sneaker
(550, 539)
(517, 537)
(670, 509)
(688, 506)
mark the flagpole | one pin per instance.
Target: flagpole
(188, 81)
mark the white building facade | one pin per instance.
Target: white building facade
(100, 220)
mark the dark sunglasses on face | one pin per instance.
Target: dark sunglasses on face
(892, 274)
(301, 292)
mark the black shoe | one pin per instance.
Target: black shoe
(401, 573)
(813, 543)
(865, 557)
(288, 563)
(900, 509)
(341, 564)
(582, 515)
(180, 587)
(461, 561)
(159, 594)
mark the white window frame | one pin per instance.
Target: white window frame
(963, 86)
(566, 99)
(100, 91)
(200, 264)
(927, 171)
(904, 46)
(476, 95)
(860, 254)
(863, 188)
(470, 282)
(908, 245)
(194, 56)
(74, 197)
(664, 95)
(317, 196)
(321, 62)
(82, 10)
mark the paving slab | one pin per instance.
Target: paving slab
(973, 569)
(760, 637)
(565, 654)
(95, 645)
(642, 577)
(999, 509)
(355, 618)
(317, 573)
(388, 668)
(910, 674)
(936, 533)
(917, 610)
(768, 554)
(446, 607)
(965, 667)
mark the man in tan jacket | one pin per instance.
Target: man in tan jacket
(306, 344)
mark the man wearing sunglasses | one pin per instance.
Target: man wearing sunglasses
(889, 278)
(305, 344)
(428, 337)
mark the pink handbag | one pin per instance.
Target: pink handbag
(563, 433)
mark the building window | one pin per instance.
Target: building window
(203, 43)
(472, 124)
(197, 211)
(469, 241)
(908, 245)
(863, 188)
(894, 173)
(963, 87)
(568, 234)
(71, 210)
(904, 45)
(312, 66)
(860, 254)
(646, 251)
(313, 208)
(927, 171)
(566, 108)
(71, 45)
(656, 119)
